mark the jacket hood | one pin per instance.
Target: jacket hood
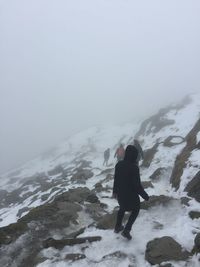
(131, 154)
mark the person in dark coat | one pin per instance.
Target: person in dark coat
(126, 189)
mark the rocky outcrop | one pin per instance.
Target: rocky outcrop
(193, 187)
(164, 249)
(182, 158)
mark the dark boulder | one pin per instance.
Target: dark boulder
(164, 249)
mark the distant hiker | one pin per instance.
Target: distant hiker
(106, 156)
(127, 188)
(120, 153)
(139, 149)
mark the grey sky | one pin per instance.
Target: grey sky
(67, 65)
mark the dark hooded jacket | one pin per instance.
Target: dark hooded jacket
(127, 184)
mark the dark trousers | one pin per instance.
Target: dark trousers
(131, 219)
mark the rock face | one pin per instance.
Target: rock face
(182, 158)
(164, 249)
(193, 187)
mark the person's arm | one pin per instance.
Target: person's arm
(139, 187)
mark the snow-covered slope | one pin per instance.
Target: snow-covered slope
(78, 162)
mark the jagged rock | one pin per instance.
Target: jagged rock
(157, 174)
(74, 257)
(185, 201)
(182, 158)
(81, 175)
(59, 244)
(193, 187)
(194, 214)
(57, 170)
(147, 184)
(172, 141)
(157, 200)
(164, 249)
(149, 155)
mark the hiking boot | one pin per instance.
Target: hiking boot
(118, 229)
(126, 234)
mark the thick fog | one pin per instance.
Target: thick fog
(66, 65)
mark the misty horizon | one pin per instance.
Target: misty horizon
(70, 65)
